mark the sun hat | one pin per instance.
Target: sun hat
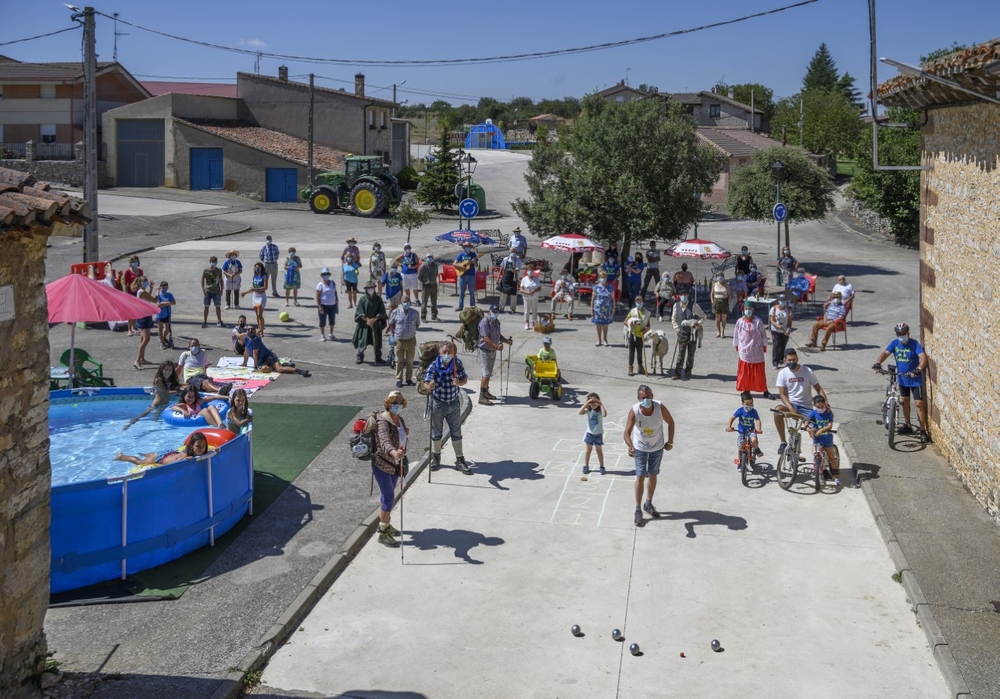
(325, 270)
(233, 252)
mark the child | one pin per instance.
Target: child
(239, 416)
(164, 300)
(749, 424)
(392, 281)
(820, 426)
(350, 274)
(165, 384)
(191, 406)
(197, 446)
(546, 353)
(594, 437)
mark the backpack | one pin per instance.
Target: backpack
(362, 442)
(469, 332)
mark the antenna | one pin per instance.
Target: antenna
(256, 63)
(626, 76)
(117, 34)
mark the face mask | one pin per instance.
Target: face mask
(904, 338)
(430, 260)
(370, 292)
(646, 403)
(326, 277)
(395, 408)
(739, 278)
(145, 285)
(135, 265)
(748, 313)
(406, 306)
(639, 305)
(232, 257)
(684, 299)
(394, 270)
(446, 359)
(493, 316)
(378, 249)
(291, 252)
(195, 349)
(212, 265)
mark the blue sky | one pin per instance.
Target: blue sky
(773, 50)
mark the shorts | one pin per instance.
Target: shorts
(720, 307)
(211, 296)
(825, 440)
(905, 391)
(740, 437)
(271, 359)
(197, 380)
(410, 281)
(144, 323)
(163, 319)
(350, 286)
(594, 440)
(647, 463)
(487, 359)
(259, 298)
(394, 299)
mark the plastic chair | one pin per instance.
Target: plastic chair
(849, 305)
(839, 326)
(448, 275)
(481, 275)
(83, 374)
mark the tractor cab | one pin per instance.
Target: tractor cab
(365, 188)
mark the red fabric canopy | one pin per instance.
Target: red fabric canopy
(79, 299)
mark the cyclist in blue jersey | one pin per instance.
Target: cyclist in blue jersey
(910, 364)
(747, 421)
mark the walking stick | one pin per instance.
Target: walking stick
(502, 397)
(430, 444)
(674, 355)
(402, 527)
(506, 389)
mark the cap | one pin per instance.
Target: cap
(406, 247)
(546, 340)
(748, 304)
(325, 270)
(495, 308)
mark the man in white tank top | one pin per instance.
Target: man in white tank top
(645, 441)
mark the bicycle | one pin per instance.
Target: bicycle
(890, 406)
(822, 465)
(788, 463)
(747, 461)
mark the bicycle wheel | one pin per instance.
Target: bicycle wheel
(890, 421)
(818, 472)
(745, 466)
(788, 465)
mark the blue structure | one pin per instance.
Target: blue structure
(485, 136)
(107, 529)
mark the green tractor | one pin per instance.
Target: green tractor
(365, 188)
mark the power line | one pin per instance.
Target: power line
(469, 61)
(40, 36)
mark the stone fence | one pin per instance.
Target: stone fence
(69, 172)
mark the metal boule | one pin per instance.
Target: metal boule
(716, 646)
(575, 630)
(634, 649)
(616, 634)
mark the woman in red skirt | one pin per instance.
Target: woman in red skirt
(750, 341)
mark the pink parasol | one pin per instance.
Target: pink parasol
(571, 242)
(696, 247)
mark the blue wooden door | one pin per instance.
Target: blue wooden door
(282, 184)
(206, 168)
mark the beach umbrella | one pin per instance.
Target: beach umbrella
(573, 243)
(696, 247)
(461, 237)
(79, 299)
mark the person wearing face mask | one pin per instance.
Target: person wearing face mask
(349, 273)
(684, 280)
(910, 364)
(369, 320)
(408, 263)
(442, 380)
(265, 359)
(490, 340)
(798, 286)
(192, 369)
(293, 277)
(743, 261)
(377, 266)
(833, 311)
(795, 383)
(510, 271)
(601, 305)
(685, 318)
(392, 281)
(326, 302)
(389, 463)
(427, 275)
(164, 299)
(665, 294)
(232, 278)
(646, 443)
(129, 276)
(530, 288)
(750, 342)
(740, 290)
(211, 289)
(258, 287)
(143, 290)
(269, 255)
(403, 324)
(352, 250)
(564, 291)
(637, 324)
(633, 276)
(652, 267)
(780, 322)
(722, 297)
(788, 264)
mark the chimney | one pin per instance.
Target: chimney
(359, 84)
(732, 93)
(283, 73)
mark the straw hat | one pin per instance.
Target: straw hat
(233, 252)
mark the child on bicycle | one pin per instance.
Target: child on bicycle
(594, 437)
(748, 425)
(820, 426)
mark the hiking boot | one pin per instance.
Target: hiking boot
(924, 437)
(435, 462)
(484, 399)
(639, 521)
(486, 392)
(392, 530)
(386, 539)
(462, 465)
(905, 428)
(650, 510)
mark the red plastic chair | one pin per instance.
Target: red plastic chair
(839, 326)
(448, 275)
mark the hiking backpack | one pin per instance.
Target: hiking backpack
(469, 332)
(362, 442)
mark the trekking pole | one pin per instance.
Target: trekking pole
(402, 527)
(502, 397)
(430, 444)
(510, 351)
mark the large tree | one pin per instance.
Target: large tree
(437, 185)
(822, 71)
(806, 188)
(625, 171)
(830, 123)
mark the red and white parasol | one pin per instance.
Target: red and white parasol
(571, 242)
(695, 247)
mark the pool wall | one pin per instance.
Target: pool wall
(102, 530)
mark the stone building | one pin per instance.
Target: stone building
(28, 211)
(959, 255)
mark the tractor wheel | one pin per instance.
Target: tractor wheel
(367, 199)
(321, 201)
(557, 392)
(533, 390)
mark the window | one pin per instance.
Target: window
(371, 119)
(714, 111)
(1, 92)
(620, 98)
(1, 133)
(48, 133)
(48, 92)
(381, 119)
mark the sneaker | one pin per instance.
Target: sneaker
(781, 448)
(331, 337)
(409, 382)
(603, 472)
(359, 359)
(836, 481)
(462, 465)
(924, 437)
(322, 338)
(220, 324)
(827, 476)
(435, 462)
(905, 428)
(484, 399)
(527, 326)
(650, 510)
(586, 470)
(434, 319)
(204, 325)
(758, 452)
(399, 384)
(386, 539)
(639, 521)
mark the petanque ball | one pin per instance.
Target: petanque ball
(634, 649)
(575, 630)
(616, 634)
(284, 317)
(716, 646)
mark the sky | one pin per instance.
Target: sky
(773, 50)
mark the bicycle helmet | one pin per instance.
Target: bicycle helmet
(902, 329)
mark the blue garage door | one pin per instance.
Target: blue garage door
(140, 152)
(282, 183)
(206, 168)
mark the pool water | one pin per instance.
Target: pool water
(86, 433)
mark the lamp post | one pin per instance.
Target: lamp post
(778, 168)
(470, 167)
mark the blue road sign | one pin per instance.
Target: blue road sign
(780, 212)
(468, 208)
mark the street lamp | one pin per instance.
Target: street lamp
(778, 169)
(470, 167)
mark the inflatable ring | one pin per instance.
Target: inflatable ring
(172, 417)
(215, 436)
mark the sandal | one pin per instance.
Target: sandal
(137, 365)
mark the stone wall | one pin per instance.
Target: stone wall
(25, 474)
(960, 294)
(68, 172)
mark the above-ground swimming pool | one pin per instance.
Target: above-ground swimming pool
(108, 522)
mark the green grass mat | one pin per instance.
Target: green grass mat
(286, 438)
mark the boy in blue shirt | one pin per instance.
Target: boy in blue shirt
(910, 364)
(820, 426)
(748, 425)
(164, 299)
(393, 283)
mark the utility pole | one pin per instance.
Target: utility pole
(309, 173)
(90, 245)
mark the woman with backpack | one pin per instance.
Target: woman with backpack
(389, 463)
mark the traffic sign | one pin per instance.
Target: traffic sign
(468, 208)
(780, 212)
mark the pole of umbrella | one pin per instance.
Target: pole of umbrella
(72, 353)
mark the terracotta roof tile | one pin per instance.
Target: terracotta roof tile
(965, 67)
(157, 88)
(736, 143)
(27, 205)
(273, 142)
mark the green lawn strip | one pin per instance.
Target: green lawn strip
(286, 438)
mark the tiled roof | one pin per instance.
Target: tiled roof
(157, 88)
(12, 70)
(317, 88)
(699, 97)
(27, 205)
(273, 142)
(736, 143)
(976, 68)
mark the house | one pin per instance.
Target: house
(715, 110)
(959, 234)
(738, 146)
(43, 103)
(551, 121)
(621, 93)
(157, 88)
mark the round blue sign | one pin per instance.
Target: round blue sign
(469, 208)
(780, 212)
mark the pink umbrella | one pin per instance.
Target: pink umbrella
(79, 299)
(696, 247)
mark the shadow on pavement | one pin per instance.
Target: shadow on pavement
(824, 269)
(461, 540)
(509, 470)
(349, 694)
(865, 471)
(705, 518)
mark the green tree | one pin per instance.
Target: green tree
(761, 96)
(437, 186)
(629, 171)
(806, 188)
(822, 71)
(892, 194)
(831, 125)
(846, 85)
(406, 216)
